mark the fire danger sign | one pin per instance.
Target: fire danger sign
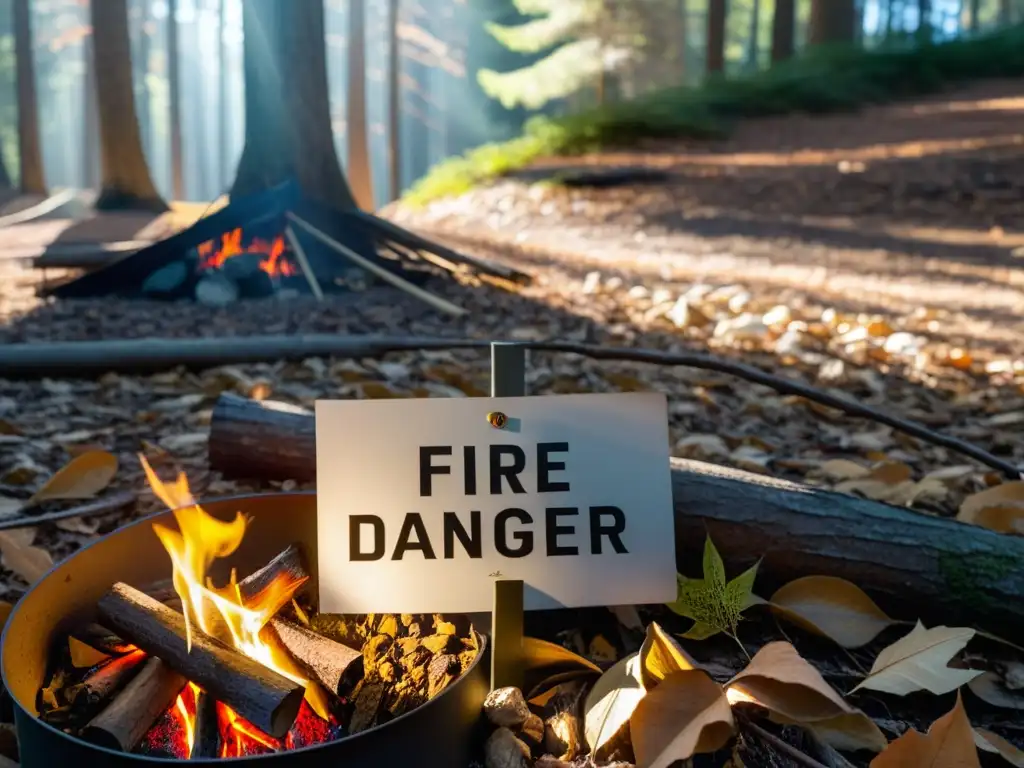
(422, 503)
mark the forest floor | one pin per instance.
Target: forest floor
(878, 253)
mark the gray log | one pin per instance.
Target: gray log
(915, 565)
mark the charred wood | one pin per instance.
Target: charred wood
(265, 698)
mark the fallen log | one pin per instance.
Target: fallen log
(88, 358)
(915, 565)
(265, 698)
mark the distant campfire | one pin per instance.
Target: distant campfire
(213, 254)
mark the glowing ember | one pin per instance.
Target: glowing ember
(239, 737)
(273, 263)
(220, 612)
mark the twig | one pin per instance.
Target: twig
(102, 506)
(383, 274)
(49, 205)
(785, 386)
(782, 746)
(300, 256)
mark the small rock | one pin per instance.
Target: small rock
(504, 750)
(591, 283)
(506, 707)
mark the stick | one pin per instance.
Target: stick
(265, 698)
(49, 205)
(787, 749)
(112, 503)
(913, 562)
(129, 716)
(206, 743)
(399, 282)
(106, 679)
(102, 639)
(300, 256)
(290, 562)
(84, 358)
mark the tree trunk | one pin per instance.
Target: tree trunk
(288, 131)
(752, 42)
(832, 21)
(1004, 12)
(783, 29)
(716, 36)
(222, 97)
(924, 20)
(358, 167)
(90, 121)
(174, 102)
(144, 106)
(126, 181)
(975, 16)
(30, 156)
(5, 177)
(394, 102)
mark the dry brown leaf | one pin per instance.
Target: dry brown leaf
(81, 478)
(611, 701)
(917, 661)
(686, 715)
(849, 732)
(997, 745)
(5, 612)
(661, 656)
(831, 607)
(28, 562)
(989, 687)
(1006, 494)
(1007, 518)
(783, 682)
(948, 744)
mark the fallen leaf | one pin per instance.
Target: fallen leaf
(843, 469)
(784, 683)
(687, 714)
(989, 687)
(996, 744)
(948, 744)
(1009, 494)
(849, 732)
(611, 701)
(81, 478)
(831, 607)
(28, 562)
(918, 662)
(185, 441)
(661, 656)
(543, 660)
(79, 525)
(1007, 518)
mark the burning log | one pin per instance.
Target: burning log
(290, 563)
(99, 685)
(910, 562)
(102, 639)
(265, 698)
(206, 742)
(129, 716)
(329, 663)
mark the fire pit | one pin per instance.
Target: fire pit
(112, 658)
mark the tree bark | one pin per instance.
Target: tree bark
(394, 102)
(913, 564)
(924, 20)
(359, 173)
(126, 181)
(783, 30)
(832, 21)
(975, 15)
(288, 133)
(752, 42)
(30, 155)
(222, 96)
(174, 101)
(717, 12)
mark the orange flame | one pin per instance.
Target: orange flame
(222, 612)
(274, 263)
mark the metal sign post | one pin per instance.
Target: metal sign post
(508, 379)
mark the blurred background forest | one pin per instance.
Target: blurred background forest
(454, 59)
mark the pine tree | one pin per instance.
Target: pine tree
(586, 40)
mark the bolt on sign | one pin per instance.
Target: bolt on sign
(422, 504)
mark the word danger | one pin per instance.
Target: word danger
(514, 531)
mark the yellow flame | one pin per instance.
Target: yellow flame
(186, 719)
(221, 612)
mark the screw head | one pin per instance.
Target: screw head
(497, 419)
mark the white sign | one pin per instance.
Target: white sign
(422, 504)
